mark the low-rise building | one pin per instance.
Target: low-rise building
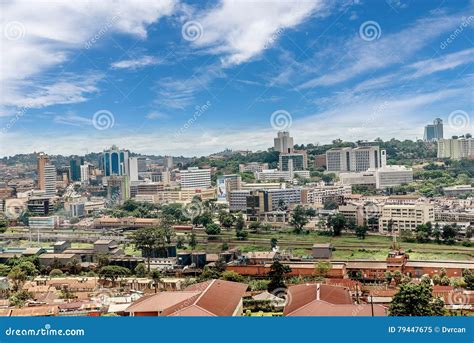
(405, 217)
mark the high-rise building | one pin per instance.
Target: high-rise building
(355, 159)
(75, 168)
(41, 160)
(194, 178)
(168, 162)
(226, 184)
(297, 160)
(137, 165)
(49, 180)
(117, 189)
(434, 131)
(283, 143)
(115, 162)
(456, 148)
(86, 172)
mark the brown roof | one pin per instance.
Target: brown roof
(302, 295)
(322, 308)
(209, 298)
(48, 310)
(160, 302)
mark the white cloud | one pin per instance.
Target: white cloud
(67, 89)
(240, 30)
(38, 35)
(156, 115)
(137, 63)
(447, 62)
(71, 118)
(366, 118)
(359, 56)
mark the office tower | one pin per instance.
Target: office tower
(391, 176)
(85, 172)
(283, 142)
(41, 160)
(355, 159)
(168, 162)
(226, 184)
(434, 131)
(456, 148)
(49, 180)
(297, 160)
(195, 178)
(117, 189)
(75, 168)
(115, 162)
(137, 165)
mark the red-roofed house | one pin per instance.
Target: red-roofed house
(326, 300)
(209, 298)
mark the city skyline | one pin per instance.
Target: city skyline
(163, 80)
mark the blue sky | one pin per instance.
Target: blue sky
(192, 78)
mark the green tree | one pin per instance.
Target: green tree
(18, 277)
(277, 275)
(203, 219)
(213, 229)
(337, 223)
(226, 219)
(273, 242)
(56, 273)
(113, 273)
(322, 268)
(468, 277)
(19, 298)
(140, 270)
(4, 269)
(230, 275)
(299, 219)
(361, 231)
(149, 239)
(416, 300)
(449, 234)
(193, 241)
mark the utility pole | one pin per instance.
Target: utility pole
(372, 304)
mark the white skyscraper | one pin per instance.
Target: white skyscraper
(283, 142)
(85, 176)
(195, 178)
(49, 180)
